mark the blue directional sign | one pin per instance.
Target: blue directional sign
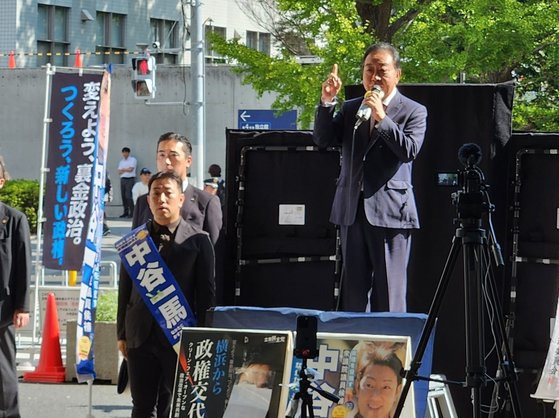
(265, 120)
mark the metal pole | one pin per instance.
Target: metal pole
(197, 75)
(90, 399)
(44, 170)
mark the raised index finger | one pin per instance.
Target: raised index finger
(335, 70)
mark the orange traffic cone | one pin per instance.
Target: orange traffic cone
(12, 60)
(78, 60)
(50, 369)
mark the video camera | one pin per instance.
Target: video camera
(471, 199)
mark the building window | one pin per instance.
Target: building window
(211, 55)
(260, 41)
(165, 33)
(52, 35)
(110, 37)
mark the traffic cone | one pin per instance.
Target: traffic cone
(78, 59)
(50, 369)
(12, 60)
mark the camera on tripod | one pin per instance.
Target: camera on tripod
(471, 199)
(480, 292)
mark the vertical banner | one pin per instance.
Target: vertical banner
(98, 94)
(74, 105)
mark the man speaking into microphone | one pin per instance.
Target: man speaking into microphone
(380, 135)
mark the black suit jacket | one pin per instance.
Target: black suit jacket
(15, 263)
(199, 208)
(191, 260)
(381, 164)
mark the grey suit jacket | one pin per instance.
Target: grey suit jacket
(191, 260)
(199, 208)
(381, 163)
(15, 263)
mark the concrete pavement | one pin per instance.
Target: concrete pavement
(72, 400)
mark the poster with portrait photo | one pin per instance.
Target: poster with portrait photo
(363, 370)
(232, 373)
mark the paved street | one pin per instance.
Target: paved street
(71, 400)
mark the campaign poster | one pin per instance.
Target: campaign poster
(72, 147)
(232, 373)
(363, 371)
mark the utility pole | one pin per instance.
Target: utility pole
(197, 77)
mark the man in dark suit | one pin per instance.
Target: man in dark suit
(15, 270)
(188, 253)
(374, 202)
(174, 153)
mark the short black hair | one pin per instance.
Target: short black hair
(125, 149)
(392, 361)
(214, 170)
(383, 46)
(162, 175)
(173, 136)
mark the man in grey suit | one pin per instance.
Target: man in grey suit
(15, 267)
(374, 202)
(201, 209)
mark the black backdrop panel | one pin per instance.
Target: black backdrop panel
(287, 176)
(536, 301)
(301, 285)
(271, 176)
(537, 284)
(539, 200)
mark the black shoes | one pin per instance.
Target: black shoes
(124, 215)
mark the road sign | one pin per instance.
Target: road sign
(253, 119)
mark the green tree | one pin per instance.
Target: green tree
(22, 195)
(487, 40)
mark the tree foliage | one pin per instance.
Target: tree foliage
(22, 195)
(487, 41)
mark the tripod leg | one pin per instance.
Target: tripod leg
(411, 374)
(475, 369)
(506, 363)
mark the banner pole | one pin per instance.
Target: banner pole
(50, 71)
(90, 402)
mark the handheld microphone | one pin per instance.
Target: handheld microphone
(364, 112)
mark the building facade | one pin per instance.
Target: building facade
(41, 31)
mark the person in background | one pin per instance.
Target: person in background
(141, 187)
(174, 153)
(15, 271)
(127, 173)
(188, 252)
(108, 197)
(215, 184)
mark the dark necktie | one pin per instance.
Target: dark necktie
(165, 238)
